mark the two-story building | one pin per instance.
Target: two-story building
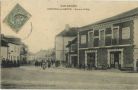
(61, 41)
(110, 43)
(10, 48)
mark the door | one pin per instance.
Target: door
(91, 59)
(115, 59)
(74, 61)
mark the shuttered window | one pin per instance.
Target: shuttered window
(83, 39)
(108, 40)
(102, 38)
(115, 39)
(90, 38)
(126, 33)
(96, 32)
(96, 42)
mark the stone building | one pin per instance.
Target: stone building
(110, 43)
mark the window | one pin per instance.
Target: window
(108, 40)
(108, 36)
(102, 37)
(96, 42)
(115, 32)
(90, 38)
(115, 36)
(126, 33)
(83, 39)
(108, 31)
(96, 32)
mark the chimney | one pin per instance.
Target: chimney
(67, 27)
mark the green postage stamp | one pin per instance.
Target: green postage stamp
(17, 18)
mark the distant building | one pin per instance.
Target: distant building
(62, 40)
(31, 57)
(44, 55)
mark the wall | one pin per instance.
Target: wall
(123, 25)
(14, 51)
(4, 52)
(82, 57)
(128, 56)
(135, 42)
(101, 57)
(136, 37)
(60, 47)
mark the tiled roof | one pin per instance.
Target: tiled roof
(126, 14)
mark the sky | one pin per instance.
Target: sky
(46, 24)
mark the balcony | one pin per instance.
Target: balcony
(115, 41)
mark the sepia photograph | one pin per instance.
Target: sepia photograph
(69, 44)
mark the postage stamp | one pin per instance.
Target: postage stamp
(17, 18)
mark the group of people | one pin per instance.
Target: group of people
(10, 63)
(45, 63)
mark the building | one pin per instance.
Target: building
(11, 48)
(61, 41)
(71, 55)
(44, 55)
(31, 56)
(23, 53)
(110, 43)
(4, 48)
(14, 47)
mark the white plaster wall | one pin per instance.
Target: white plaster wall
(60, 48)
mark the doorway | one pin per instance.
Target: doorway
(115, 58)
(74, 61)
(91, 59)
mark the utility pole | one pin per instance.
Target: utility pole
(78, 46)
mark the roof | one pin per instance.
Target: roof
(70, 32)
(16, 41)
(71, 42)
(11, 39)
(133, 12)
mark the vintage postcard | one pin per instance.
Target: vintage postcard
(69, 44)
